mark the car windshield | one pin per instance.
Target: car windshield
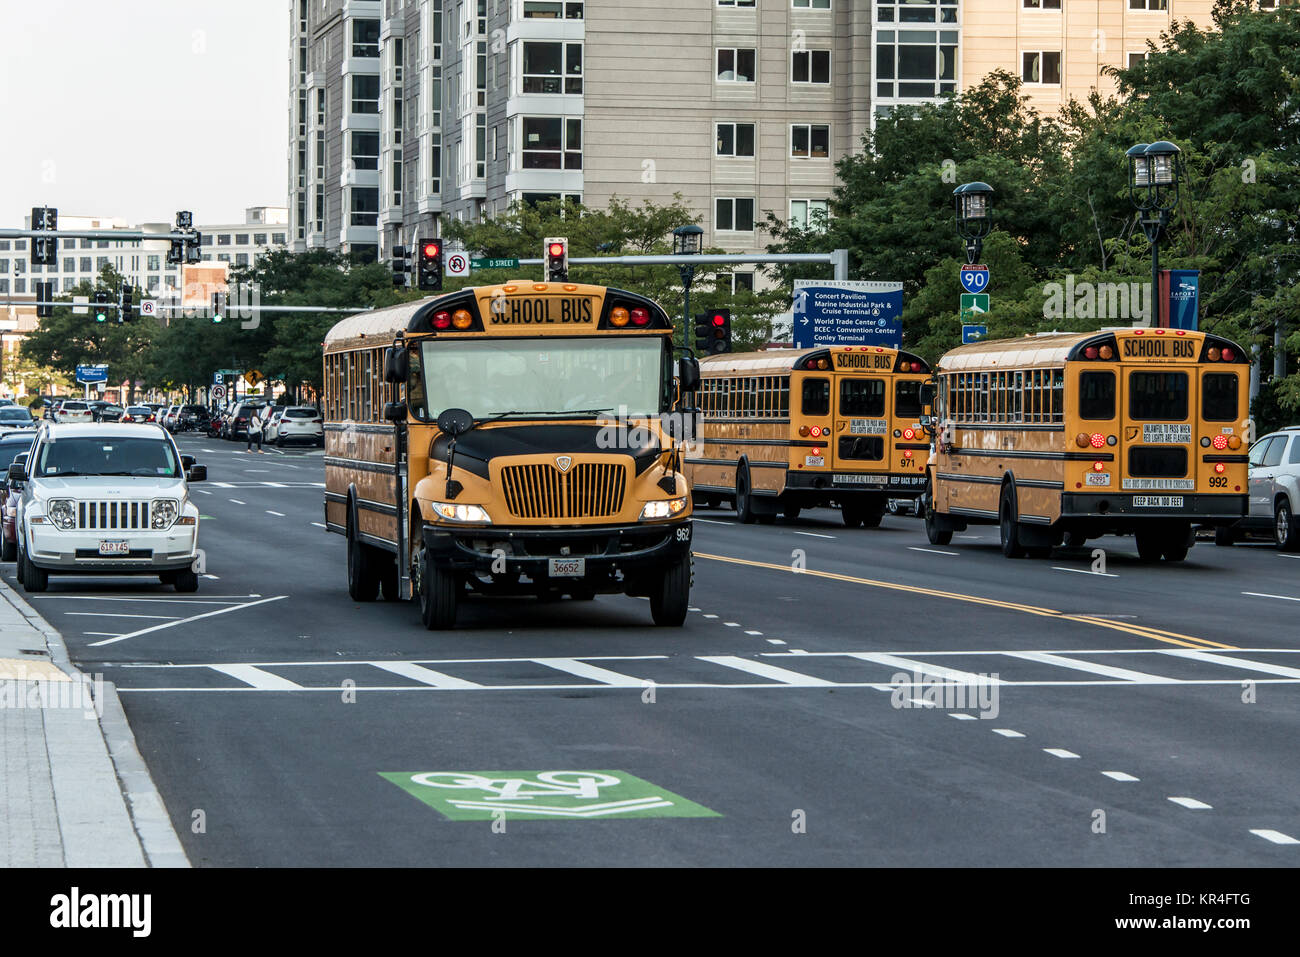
(140, 410)
(11, 450)
(87, 455)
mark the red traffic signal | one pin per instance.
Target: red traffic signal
(428, 268)
(719, 319)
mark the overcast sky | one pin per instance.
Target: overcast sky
(186, 102)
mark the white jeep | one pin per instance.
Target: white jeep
(106, 500)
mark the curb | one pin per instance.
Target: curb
(159, 844)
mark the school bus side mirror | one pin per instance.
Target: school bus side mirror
(689, 373)
(927, 423)
(927, 394)
(396, 366)
(395, 411)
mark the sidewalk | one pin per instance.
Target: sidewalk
(74, 791)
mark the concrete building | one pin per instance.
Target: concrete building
(404, 112)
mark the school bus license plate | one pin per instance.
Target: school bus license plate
(1157, 501)
(567, 567)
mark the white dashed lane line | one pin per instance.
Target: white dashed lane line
(1083, 571)
(238, 502)
(1257, 594)
(1007, 733)
(320, 525)
(1275, 837)
(277, 514)
(1060, 753)
(1191, 803)
(932, 551)
(816, 535)
(1119, 776)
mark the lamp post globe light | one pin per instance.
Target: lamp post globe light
(1154, 172)
(688, 240)
(974, 216)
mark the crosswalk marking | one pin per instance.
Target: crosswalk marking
(257, 678)
(771, 672)
(581, 669)
(925, 668)
(1270, 669)
(426, 676)
(1091, 667)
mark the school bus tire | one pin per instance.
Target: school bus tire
(872, 512)
(939, 533)
(790, 511)
(1178, 542)
(439, 595)
(745, 511)
(670, 596)
(1008, 524)
(363, 576)
(1150, 543)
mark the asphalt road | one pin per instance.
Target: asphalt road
(1144, 716)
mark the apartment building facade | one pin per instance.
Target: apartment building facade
(406, 112)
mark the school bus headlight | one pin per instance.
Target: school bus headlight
(665, 509)
(451, 512)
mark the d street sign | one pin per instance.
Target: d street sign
(971, 334)
(847, 313)
(974, 278)
(457, 264)
(494, 263)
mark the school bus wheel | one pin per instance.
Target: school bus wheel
(1009, 526)
(363, 571)
(439, 595)
(671, 594)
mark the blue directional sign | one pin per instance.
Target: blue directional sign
(218, 379)
(92, 373)
(847, 313)
(971, 334)
(974, 278)
(1184, 290)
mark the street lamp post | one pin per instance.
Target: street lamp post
(687, 241)
(1154, 171)
(974, 216)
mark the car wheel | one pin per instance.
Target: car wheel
(187, 580)
(1224, 535)
(1284, 530)
(8, 550)
(34, 579)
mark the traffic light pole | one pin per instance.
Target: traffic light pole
(838, 259)
(118, 235)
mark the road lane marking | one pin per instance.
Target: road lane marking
(1060, 753)
(763, 670)
(1276, 837)
(712, 521)
(238, 502)
(1108, 671)
(320, 525)
(166, 601)
(1244, 663)
(202, 491)
(1191, 803)
(277, 514)
(816, 535)
(580, 669)
(775, 641)
(1083, 571)
(710, 616)
(1258, 594)
(756, 634)
(930, 551)
(1186, 641)
(257, 678)
(1007, 733)
(185, 621)
(426, 676)
(960, 716)
(924, 668)
(1119, 776)
(732, 624)
(107, 614)
(274, 485)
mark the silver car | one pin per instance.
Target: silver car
(1274, 490)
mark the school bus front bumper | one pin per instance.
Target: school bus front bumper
(605, 549)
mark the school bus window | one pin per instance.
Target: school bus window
(784, 409)
(816, 397)
(1149, 461)
(870, 448)
(1097, 395)
(1058, 395)
(907, 398)
(1160, 396)
(1017, 399)
(1219, 397)
(862, 397)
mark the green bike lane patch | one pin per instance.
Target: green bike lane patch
(543, 795)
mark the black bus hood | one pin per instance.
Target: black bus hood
(475, 450)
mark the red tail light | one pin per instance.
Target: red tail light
(1220, 442)
(909, 434)
(1099, 466)
(907, 453)
(1220, 467)
(1097, 440)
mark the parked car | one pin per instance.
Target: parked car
(74, 410)
(12, 446)
(1274, 491)
(272, 422)
(299, 423)
(239, 419)
(138, 413)
(168, 418)
(192, 417)
(106, 500)
(109, 412)
(16, 417)
(7, 402)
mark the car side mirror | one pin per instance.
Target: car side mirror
(187, 462)
(17, 473)
(196, 473)
(689, 373)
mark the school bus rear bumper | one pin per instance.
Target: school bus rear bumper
(895, 483)
(529, 550)
(1108, 505)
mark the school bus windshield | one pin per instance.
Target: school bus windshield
(557, 376)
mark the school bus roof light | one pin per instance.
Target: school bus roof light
(823, 364)
(442, 320)
(1212, 354)
(461, 319)
(1227, 354)
(1106, 352)
(619, 316)
(640, 316)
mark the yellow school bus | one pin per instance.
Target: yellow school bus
(790, 429)
(512, 439)
(1073, 436)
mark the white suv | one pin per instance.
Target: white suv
(76, 411)
(106, 500)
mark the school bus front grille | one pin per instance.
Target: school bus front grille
(587, 490)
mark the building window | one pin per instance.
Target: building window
(85, 264)
(1153, 5)
(808, 141)
(365, 38)
(69, 265)
(552, 10)
(69, 283)
(552, 67)
(365, 93)
(241, 239)
(365, 206)
(811, 4)
(810, 66)
(100, 263)
(259, 239)
(241, 259)
(4, 285)
(911, 69)
(736, 139)
(365, 151)
(552, 143)
(742, 280)
(1042, 67)
(1136, 60)
(20, 285)
(278, 239)
(1042, 4)
(153, 263)
(734, 215)
(223, 239)
(736, 3)
(736, 66)
(480, 146)
(809, 213)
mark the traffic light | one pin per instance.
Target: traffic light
(176, 252)
(401, 266)
(192, 244)
(218, 307)
(45, 249)
(125, 310)
(556, 256)
(44, 294)
(429, 267)
(713, 332)
(101, 305)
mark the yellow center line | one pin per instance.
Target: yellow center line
(1155, 634)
